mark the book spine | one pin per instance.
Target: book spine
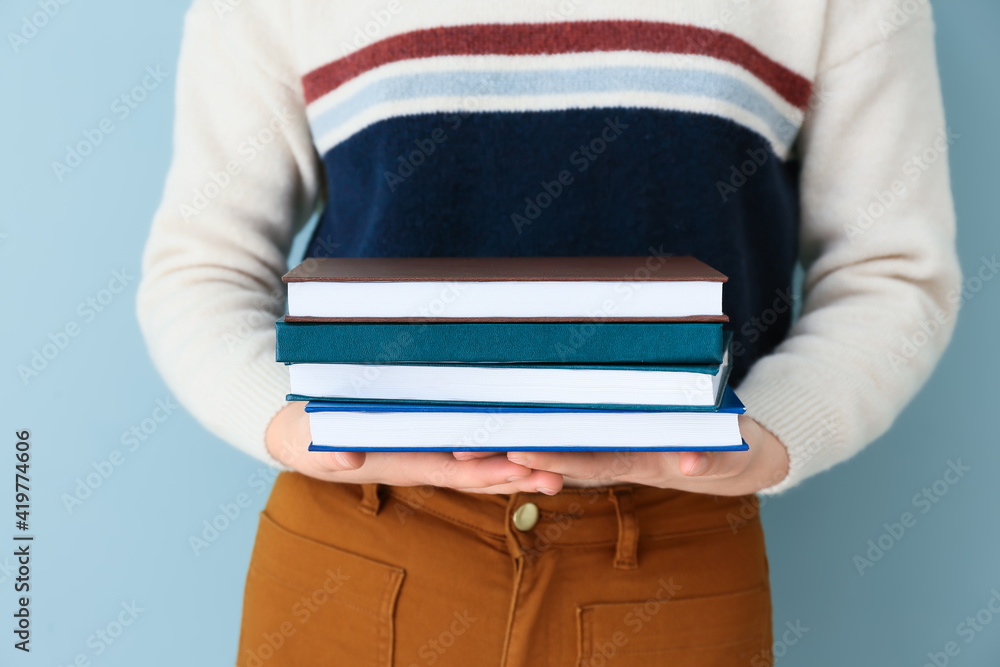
(501, 342)
(536, 448)
(610, 407)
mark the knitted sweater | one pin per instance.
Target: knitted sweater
(753, 134)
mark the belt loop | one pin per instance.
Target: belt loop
(627, 551)
(371, 502)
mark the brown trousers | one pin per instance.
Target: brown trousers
(376, 576)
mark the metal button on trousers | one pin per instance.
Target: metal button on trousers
(525, 517)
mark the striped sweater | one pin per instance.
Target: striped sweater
(753, 134)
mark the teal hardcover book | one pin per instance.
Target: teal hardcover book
(500, 342)
(605, 387)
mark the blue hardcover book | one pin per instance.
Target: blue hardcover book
(404, 427)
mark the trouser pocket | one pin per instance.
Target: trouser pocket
(710, 631)
(308, 603)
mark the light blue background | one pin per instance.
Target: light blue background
(129, 540)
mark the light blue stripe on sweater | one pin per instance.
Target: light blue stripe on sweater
(472, 84)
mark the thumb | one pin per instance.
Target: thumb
(337, 461)
(710, 464)
(288, 437)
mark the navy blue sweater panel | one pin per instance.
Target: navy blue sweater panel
(580, 182)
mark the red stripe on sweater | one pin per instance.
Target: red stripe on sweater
(522, 39)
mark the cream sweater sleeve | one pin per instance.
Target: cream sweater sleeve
(877, 243)
(244, 179)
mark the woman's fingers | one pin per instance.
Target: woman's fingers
(595, 467)
(494, 474)
(539, 481)
(480, 473)
(466, 456)
(434, 469)
(288, 439)
(705, 472)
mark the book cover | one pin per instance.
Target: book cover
(503, 269)
(369, 426)
(604, 387)
(658, 288)
(500, 342)
(730, 404)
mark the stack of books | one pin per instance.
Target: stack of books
(510, 354)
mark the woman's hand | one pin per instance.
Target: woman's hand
(288, 439)
(717, 473)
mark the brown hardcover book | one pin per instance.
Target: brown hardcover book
(502, 269)
(655, 288)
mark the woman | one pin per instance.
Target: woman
(751, 135)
